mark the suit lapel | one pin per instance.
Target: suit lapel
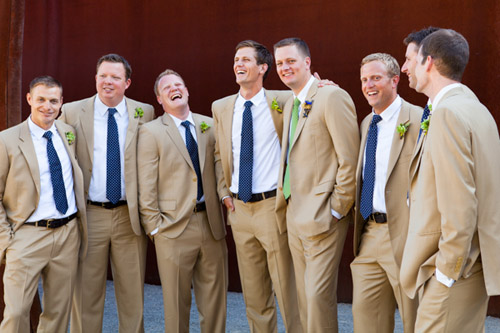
(364, 134)
(227, 127)
(133, 122)
(277, 118)
(302, 120)
(201, 142)
(397, 141)
(69, 149)
(28, 149)
(175, 136)
(87, 125)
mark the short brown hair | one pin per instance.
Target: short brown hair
(112, 57)
(417, 37)
(162, 74)
(45, 80)
(299, 43)
(391, 64)
(263, 56)
(450, 52)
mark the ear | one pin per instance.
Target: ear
(308, 62)
(28, 98)
(158, 99)
(395, 81)
(127, 83)
(429, 63)
(263, 68)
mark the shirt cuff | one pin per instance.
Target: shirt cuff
(224, 197)
(444, 279)
(154, 232)
(337, 215)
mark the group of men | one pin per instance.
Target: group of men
(289, 166)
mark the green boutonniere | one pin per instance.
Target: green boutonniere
(306, 107)
(139, 112)
(425, 125)
(70, 137)
(204, 126)
(275, 106)
(403, 128)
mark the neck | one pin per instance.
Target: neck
(436, 84)
(249, 92)
(181, 113)
(296, 90)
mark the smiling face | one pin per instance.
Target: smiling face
(422, 73)
(45, 103)
(293, 67)
(410, 64)
(248, 73)
(173, 95)
(379, 89)
(111, 83)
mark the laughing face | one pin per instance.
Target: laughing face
(172, 93)
(248, 73)
(379, 89)
(111, 83)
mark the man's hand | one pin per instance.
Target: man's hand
(325, 82)
(228, 202)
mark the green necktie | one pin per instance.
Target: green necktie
(295, 120)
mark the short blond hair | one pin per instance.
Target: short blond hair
(391, 64)
(162, 74)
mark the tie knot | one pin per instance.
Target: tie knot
(112, 111)
(185, 123)
(376, 119)
(248, 104)
(47, 135)
(296, 102)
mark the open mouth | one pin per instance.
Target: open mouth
(176, 96)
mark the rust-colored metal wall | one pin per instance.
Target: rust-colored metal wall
(197, 39)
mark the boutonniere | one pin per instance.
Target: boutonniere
(204, 126)
(403, 128)
(306, 107)
(70, 137)
(139, 112)
(425, 125)
(275, 106)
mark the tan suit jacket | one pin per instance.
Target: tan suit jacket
(80, 115)
(454, 191)
(166, 200)
(223, 110)
(20, 182)
(323, 160)
(396, 182)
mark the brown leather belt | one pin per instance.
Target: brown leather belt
(200, 207)
(107, 205)
(258, 196)
(52, 223)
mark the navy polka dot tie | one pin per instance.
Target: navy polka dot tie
(56, 176)
(113, 166)
(246, 155)
(366, 206)
(425, 115)
(192, 148)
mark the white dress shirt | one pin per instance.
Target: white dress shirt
(386, 129)
(266, 145)
(302, 98)
(46, 208)
(439, 275)
(97, 188)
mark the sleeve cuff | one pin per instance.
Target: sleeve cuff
(444, 279)
(337, 215)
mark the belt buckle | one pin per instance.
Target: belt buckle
(48, 222)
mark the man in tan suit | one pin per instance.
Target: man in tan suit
(43, 225)
(451, 254)
(316, 185)
(107, 125)
(180, 208)
(264, 259)
(380, 235)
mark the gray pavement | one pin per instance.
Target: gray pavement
(236, 319)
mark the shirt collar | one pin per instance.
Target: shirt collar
(178, 121)
(102, 108)
(37, 131)
(256, 100)
(391, 110)
(441, 93)
(303, 93)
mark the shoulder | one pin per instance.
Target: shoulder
(77, 105)
(200, 118)
(222, 102)
(281, 96)
(413, 110)
(63, 126)
(148, 109)
(10, 133)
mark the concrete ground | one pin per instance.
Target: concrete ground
(236, 319)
